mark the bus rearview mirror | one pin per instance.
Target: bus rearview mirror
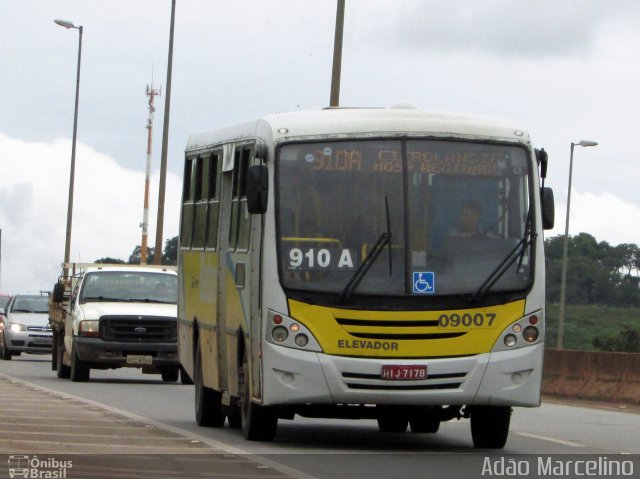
(257, 189)
(548, 208)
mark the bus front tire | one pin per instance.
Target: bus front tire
(208, 402)
(490, 426)
(391, 419)
(259, 423)
(424, 421)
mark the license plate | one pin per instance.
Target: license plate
(139, 359)
(410, 372)
(43, 341)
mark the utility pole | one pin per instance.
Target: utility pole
(157, 259)
(151, 93)
(337, 56)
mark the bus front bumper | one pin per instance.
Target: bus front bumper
(293, 376)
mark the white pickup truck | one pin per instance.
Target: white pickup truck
(112, 316)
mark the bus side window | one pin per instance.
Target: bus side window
(213, 199)
(240, 218)
(201, 191)
(186, 228)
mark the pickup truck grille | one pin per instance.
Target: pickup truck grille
(138, 329)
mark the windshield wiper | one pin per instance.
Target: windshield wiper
(517, 252)
(150, 300)
(88, 299)
(356, 278)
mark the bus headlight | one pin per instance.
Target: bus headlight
(522, 333)
(290, 333)
(530, 334)
(279, 334)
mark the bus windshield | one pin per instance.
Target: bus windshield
(449, 213)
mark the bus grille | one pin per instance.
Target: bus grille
(138, 329)
(395, 329)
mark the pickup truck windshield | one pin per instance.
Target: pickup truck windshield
(127, 286)
(453, 210)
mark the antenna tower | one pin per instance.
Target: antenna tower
(151, 93)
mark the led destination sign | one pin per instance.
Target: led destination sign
(458, 162)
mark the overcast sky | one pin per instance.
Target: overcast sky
(565, 70)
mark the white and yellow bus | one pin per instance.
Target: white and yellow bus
(364, 263)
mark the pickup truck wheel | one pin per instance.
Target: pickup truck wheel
(184, 377)
(170, 374)
(79, 369)
(208, 401)
(62, 371)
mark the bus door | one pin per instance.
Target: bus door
(235, 285)
(199, 260)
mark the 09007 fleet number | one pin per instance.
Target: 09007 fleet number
(466, 320)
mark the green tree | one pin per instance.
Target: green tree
(135, 256)
(597, 273)
(170, 255)
(109, 260)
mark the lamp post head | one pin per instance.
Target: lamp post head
(587, 143)
(65, 23)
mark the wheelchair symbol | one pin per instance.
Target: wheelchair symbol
(423, 282)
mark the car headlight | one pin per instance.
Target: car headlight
(90, 328)
(15, 327)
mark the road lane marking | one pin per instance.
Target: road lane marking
(550, 439)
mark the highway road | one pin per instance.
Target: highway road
(350, 449)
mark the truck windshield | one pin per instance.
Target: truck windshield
(130, 287)
(452, 211)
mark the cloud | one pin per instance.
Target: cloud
(604, 216)
(545, 28)
(107, 210)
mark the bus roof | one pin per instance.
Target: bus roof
(337, 122)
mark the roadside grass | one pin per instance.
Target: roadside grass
(584, 323)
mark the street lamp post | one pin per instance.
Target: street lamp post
(337, 56)
(563, 280)
(67, 244)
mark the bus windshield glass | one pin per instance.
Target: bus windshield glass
(449, 212)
